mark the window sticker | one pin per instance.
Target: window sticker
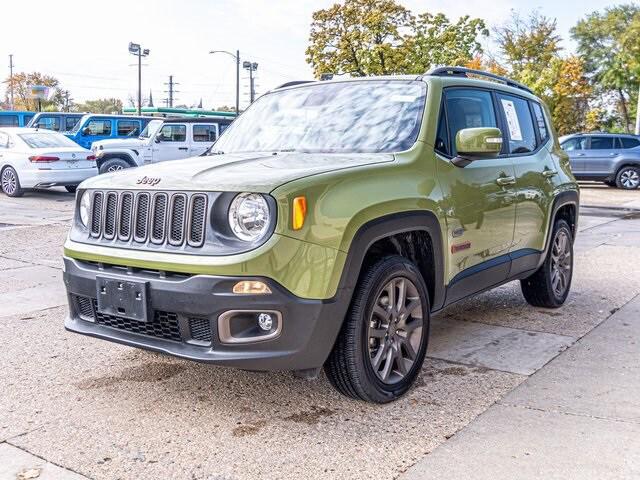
(512, 120)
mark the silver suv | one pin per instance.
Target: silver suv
(610, 158)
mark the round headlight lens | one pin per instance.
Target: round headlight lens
(249, 216)
(85, 205)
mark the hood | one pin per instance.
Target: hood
(253, 172)
(117, 143)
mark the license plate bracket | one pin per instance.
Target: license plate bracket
(123, 298)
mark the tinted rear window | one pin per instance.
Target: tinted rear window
(47, 140)
(629, 142)
(601, 143)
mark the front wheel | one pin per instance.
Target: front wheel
(549, 286)
(381, 346)
(628, 178)
(11, 183)
(113, 165)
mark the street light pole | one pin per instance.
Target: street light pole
(11, 81)
(236, 57)
(136, 49)
(252, 67)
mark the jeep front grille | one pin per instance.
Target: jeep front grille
(177, 219)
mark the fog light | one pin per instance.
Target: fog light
(265, 321)
(247, 287)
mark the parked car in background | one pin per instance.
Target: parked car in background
(14, 118)
(94, 127)
(56, 121)
(33, 158)
(168, 139)
(605, 157)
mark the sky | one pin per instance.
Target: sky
(86, 47)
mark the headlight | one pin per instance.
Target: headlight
(85, 205)
(249, 216)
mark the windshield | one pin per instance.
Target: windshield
(368, 116)
(151, 128)
(47, 140)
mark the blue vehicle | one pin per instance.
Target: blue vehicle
(13, 118)
(93, 127)
(56, 121)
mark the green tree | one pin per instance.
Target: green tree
(22, 98)
(381, 37)
(101, 105)
(609, 43)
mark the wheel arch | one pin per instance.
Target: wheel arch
(566, 206)
(126, 156)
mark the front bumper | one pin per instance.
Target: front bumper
(184, 315)
(41, 178)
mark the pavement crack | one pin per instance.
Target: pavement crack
(569, 414)
(45, 460)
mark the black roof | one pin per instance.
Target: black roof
(195, 119)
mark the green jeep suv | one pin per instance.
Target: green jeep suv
(327, 225)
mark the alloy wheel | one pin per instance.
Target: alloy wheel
(395, 330)
(630, 178)
(115, 168)
(9, 181)
(560, 263)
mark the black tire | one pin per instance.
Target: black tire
(610, 183)
(10, 183)
(540, 289)
(628, 178)
(350, 367)
(71, 188)
(113, 165)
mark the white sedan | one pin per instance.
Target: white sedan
(33, 158)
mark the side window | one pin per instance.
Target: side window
(8, 120)
(602, 143)
(575, 143)
(442, 137)
(48, 123)
(518, 124)
(128, 128)
(223, 127)
(540, 122)
(173, 133)
(629, 142)
(70, 122)
(27, 119)
(98, 127)
(468, 108)
(204, 133)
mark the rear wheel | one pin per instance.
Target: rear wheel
(550, 285)
(383, 341)
(71, 188)
(113, 165)
(628, 178)
(11, 183)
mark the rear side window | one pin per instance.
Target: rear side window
(629, 142)
(468, 108)
(98, 127)
(518, 124)
(128, 128)
(173, 133)
(204, 133)
(8, 120)
(602, 143)
(540, 122)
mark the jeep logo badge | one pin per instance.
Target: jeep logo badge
(148, 181)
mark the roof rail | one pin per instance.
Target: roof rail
(465, 72)
(295, 82)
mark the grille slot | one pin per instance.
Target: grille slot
(197, 219)
(84, 306)
(110, 213)
(200, 329)
(126, 216)
(159, 218)
(96, 214)
(143, 201)
(177, 219)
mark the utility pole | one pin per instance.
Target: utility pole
(171, 92)
(252, 67)
(11, 81)
(66, 100)
(136, 49)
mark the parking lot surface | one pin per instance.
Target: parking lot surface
(73, 406)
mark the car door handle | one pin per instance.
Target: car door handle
(549, 173)
(613, 154)
(580, 154)
(503, 181)
(183, 148)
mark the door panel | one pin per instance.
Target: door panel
(575, 149)
(173, 143)
(599, 157)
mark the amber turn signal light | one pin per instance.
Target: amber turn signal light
(299, 212)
